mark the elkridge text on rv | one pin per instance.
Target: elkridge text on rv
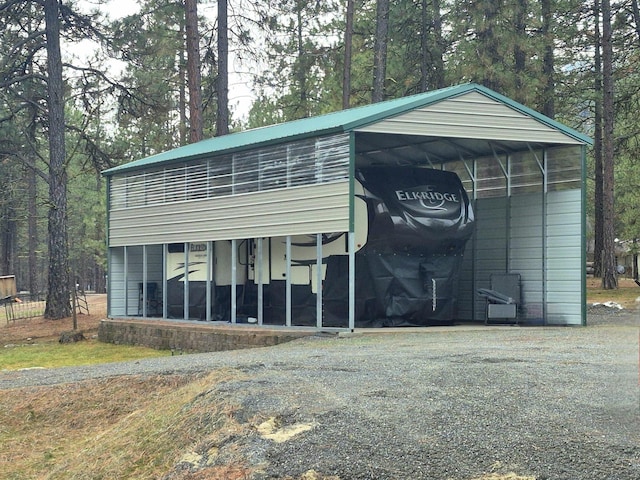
(432, 196)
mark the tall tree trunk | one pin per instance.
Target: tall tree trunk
(58, 295)
(489, 42)
(32, 224)
(380, 50)
(636, 17)
(519, 55)
(8, 233)
(32, 199)
(222, 80)
(99, 282)
(431, 46)
(348, 45)
(609, 279)
(193, 71)
(182, 92)
(597, 147)
(548, 61)
(301, 65)
(425, 58)
(32, 209)
(439, 46)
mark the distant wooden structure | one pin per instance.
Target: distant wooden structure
(8, 286)
(8, 293)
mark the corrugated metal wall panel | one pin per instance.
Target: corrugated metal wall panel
(119, 306)
(529, 237)
(524, 243)
(491, 245)
(134, 277)
(564, 314)
(561, 241)
(564, 258)
(299, 210)
(116, 282)
(467, 292)
(225, 222)
(526, 255)
(472, 115)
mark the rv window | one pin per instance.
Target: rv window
(176, 247)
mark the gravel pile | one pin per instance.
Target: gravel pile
(438, 403)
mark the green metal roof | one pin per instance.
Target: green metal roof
(336, 122)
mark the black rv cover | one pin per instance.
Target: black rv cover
(419, 220)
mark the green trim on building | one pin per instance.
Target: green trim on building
(352, 174)
(583, 293)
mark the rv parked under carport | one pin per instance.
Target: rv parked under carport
(282, 217)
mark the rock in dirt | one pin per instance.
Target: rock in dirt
(71, 337)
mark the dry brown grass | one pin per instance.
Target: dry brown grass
(126, 427)
(626, 294)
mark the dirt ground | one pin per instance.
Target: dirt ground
(40, 330)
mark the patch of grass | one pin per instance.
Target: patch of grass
(123, 427)
(89, 352)
(626, 294)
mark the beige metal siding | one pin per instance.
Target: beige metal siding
(299, 210)
(472, 115)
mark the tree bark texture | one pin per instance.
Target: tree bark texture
(222, 80)
(32, 205)
(301, 65)
(58, 295)
(519, 55)
(489, 42)
(32, 227)
(182, 92)
(348, 46)
(597, 147)
(196, 125)
(380, 50)
(8, 235)
(636, 18)
(438, 47)
(425, 58)
(609, 278)
(548, 61)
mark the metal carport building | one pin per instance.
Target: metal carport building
(191, 225)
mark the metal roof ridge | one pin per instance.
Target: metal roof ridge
(338, 121)
(351, 118)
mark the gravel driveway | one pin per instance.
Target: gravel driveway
(436, 403)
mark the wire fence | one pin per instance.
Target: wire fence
(22, 306)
